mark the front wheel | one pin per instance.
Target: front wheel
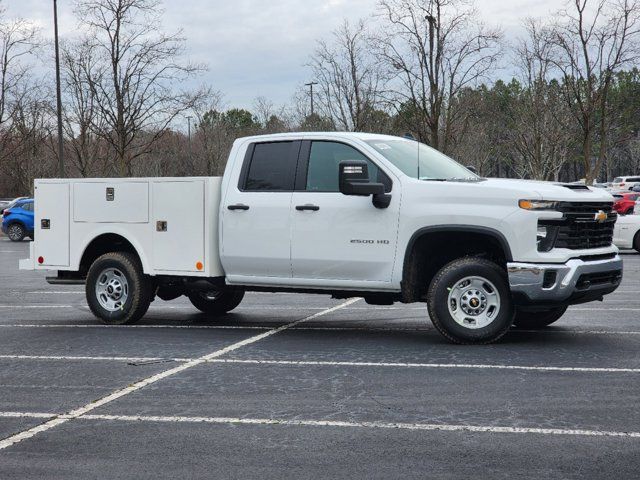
(636, 242)
(217, 302)
(469, 301)
(117, 291)
(16, 232)
(540, 319)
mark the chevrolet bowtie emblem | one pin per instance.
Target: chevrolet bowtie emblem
(601, 216)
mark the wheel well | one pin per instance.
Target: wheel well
(429, 251)
(108, 242)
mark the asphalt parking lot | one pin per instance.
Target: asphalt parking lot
(302, 386)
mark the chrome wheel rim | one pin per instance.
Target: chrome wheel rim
(474, 302)
(112, 289)
(15, 232)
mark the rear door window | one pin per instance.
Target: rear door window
(272, 167)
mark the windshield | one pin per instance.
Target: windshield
(420, 161)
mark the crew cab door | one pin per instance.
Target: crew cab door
(256, 214)
(339, 240)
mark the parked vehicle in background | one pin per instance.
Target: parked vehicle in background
(17, 221)
(625, 202)
(11, 203)
(625, 183)
(626, 233)
(344, 214)
(636, 188)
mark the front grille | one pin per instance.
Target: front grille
(579, 228)
(588, 280)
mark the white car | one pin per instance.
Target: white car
(625, 183)
(626, 233)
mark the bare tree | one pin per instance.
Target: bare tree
(594, 39)
(136, 75)
(18, 40)
(538, 130)
(32, 138)
(82, 118)
(212, 138)
(349, 78)
(433, 50)
(271, 119)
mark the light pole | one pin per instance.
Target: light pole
(189, 117)
(58, 93)
(310, 85)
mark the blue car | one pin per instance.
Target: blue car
(17, 220)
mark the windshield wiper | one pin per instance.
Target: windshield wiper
(453, 179)
(466, 179)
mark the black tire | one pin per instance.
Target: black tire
(447, 279)
(535, 320)
(636, 242)
(139, 288)
(217, 303)
(16, 232)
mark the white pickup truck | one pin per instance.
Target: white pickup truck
(346, 214)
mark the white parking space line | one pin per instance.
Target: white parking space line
(329, 423)
(382, 425)
(93, 359)
(178, 327)
(23, 307)
(26, 415)
(458, 366)
(430, 365)
(79, 412)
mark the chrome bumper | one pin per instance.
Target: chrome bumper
(576, 281)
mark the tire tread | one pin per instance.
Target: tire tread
(141, 288)
(431, 299)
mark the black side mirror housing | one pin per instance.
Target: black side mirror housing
(354, 180)
(472, 168)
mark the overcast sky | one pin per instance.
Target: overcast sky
(259, 48)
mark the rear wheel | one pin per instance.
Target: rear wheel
(16, 232)
(117, 291)
(541, 319)
(636, 242)
(469, 301)
(217, 302)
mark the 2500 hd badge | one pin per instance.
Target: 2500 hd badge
(371, 242)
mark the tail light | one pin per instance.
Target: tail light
(6, 213)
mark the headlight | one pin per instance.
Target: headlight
(538, 204)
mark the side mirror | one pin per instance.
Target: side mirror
(472, 168)
(354, 180)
